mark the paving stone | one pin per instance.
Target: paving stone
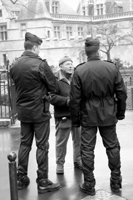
(103, 195)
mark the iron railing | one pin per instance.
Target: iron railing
(7, 97)
(4, 95)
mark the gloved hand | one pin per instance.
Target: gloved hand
(120, 116)
(68, 101)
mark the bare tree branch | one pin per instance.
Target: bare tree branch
(111, 36)
(14, 2)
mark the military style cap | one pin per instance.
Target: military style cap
(64, 59)
(32, 38)
(91, 42)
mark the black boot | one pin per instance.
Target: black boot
(45, 185)
(22, 181)
(116, 185)
(88, 188)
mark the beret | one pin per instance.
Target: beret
(32, 38)
(91, 42)
(64, 59)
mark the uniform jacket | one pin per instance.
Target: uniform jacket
(98, 95)
(59, 100)
(33, 80)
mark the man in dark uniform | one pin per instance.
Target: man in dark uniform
(98, 101)
(33, 80)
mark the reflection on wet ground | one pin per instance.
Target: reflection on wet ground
(9, 141)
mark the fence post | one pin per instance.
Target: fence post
(13, 176)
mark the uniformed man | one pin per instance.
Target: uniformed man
(95, 87)
(33, 80)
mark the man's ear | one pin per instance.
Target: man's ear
(60, 66)
(34, 47)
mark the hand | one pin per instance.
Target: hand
(68, 102)
(120, 117)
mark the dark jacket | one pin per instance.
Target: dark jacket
(33, 80)
(98, 95)
(60, 99)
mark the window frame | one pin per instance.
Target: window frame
(0, 12)
(57, 32)
(80, 31)
(23, 30)
(3, 32)
(69, 32)
(99, 8)
(55, 7)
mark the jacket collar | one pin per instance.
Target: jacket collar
(31, 54)
(61, 77)
(94, 57)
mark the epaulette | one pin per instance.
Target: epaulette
(109, 61)
(80, 64)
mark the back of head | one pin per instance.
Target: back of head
(91, 46)
(31, 40)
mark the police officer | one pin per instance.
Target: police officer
(64, 127)
(98, 101)
(33, 80)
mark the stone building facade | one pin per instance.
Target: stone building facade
(63, 30)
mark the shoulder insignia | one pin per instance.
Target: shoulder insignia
(80, 64)
(109, 61)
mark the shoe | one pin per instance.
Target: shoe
(87, 188)
(22, 181)
(78, 165)
(46, 185)
(116, 185)
(59, 169)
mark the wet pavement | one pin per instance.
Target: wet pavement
(9, 141)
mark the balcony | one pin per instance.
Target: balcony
(114, 16)
(65, 17)
(99, 18)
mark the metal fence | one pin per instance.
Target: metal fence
(7, 97)
(4, 95)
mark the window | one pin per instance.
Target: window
(83, 9)
(55, 7)
(48, 34)
(15, 13)
(23, 30)
(69, 32)
(99, 9)
(80, 31)
(3, 32)
(132, 26)
(118, 9)
(57, 32)
(0, 13)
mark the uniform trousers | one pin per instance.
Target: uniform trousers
(63, 129)
(110, 142)
(41, 132)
